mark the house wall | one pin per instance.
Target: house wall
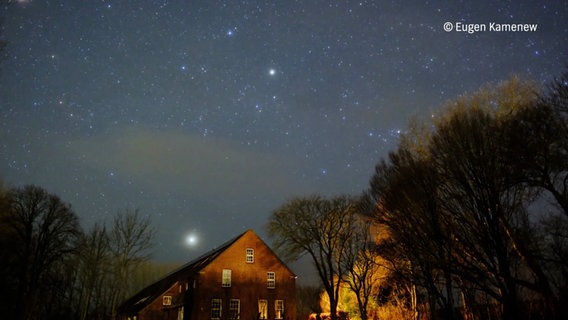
(248, 283)
(192, 294)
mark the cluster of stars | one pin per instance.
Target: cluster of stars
(325, 88)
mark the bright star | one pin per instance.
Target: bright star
(272, 72)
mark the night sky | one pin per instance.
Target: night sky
(208, 115)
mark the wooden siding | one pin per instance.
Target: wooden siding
(248, 282)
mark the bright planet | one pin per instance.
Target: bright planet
(191, 240)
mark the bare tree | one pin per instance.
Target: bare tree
(457, 200)
(41, 233)
(131, 238)
(322, 229)
(417, 247)
(113, 263)
(94, 273)
(543, 129)
(361, 262)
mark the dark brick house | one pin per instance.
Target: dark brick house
(241, 279)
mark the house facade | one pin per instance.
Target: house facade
(241, 279)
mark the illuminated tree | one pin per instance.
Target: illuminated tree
(417, 249)
(458, 200)
(364, 273)
(321, 228)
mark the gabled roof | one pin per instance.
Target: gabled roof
(145, 296)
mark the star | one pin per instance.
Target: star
(230, 32)
(186, 103)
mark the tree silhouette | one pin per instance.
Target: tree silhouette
(130, 239)
(39, 235)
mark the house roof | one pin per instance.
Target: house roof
(145, 296)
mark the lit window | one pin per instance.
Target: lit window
(262, 309)
(216, 308)
(234, 309)
(271, 280)
(250, 255)
(167, 300)
(279, 309)
(226, 280)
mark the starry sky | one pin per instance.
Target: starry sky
(208, 115)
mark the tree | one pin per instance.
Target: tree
(40, 234)
(50, 269)
(480, 206)
(543, 129)
(459, 200)
(130, 239)
(94, 274)
(112, 264)
(7, 281)
(417, 247)
(321, 228)
(361, 263)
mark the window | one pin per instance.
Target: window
(216, 308)
(250, 255)
(279, 309)
(180, 313)
(271, 280)
(167, 300)
(234, 309)
(262, 309)
(226, 279)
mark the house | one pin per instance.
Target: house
(241, 279)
